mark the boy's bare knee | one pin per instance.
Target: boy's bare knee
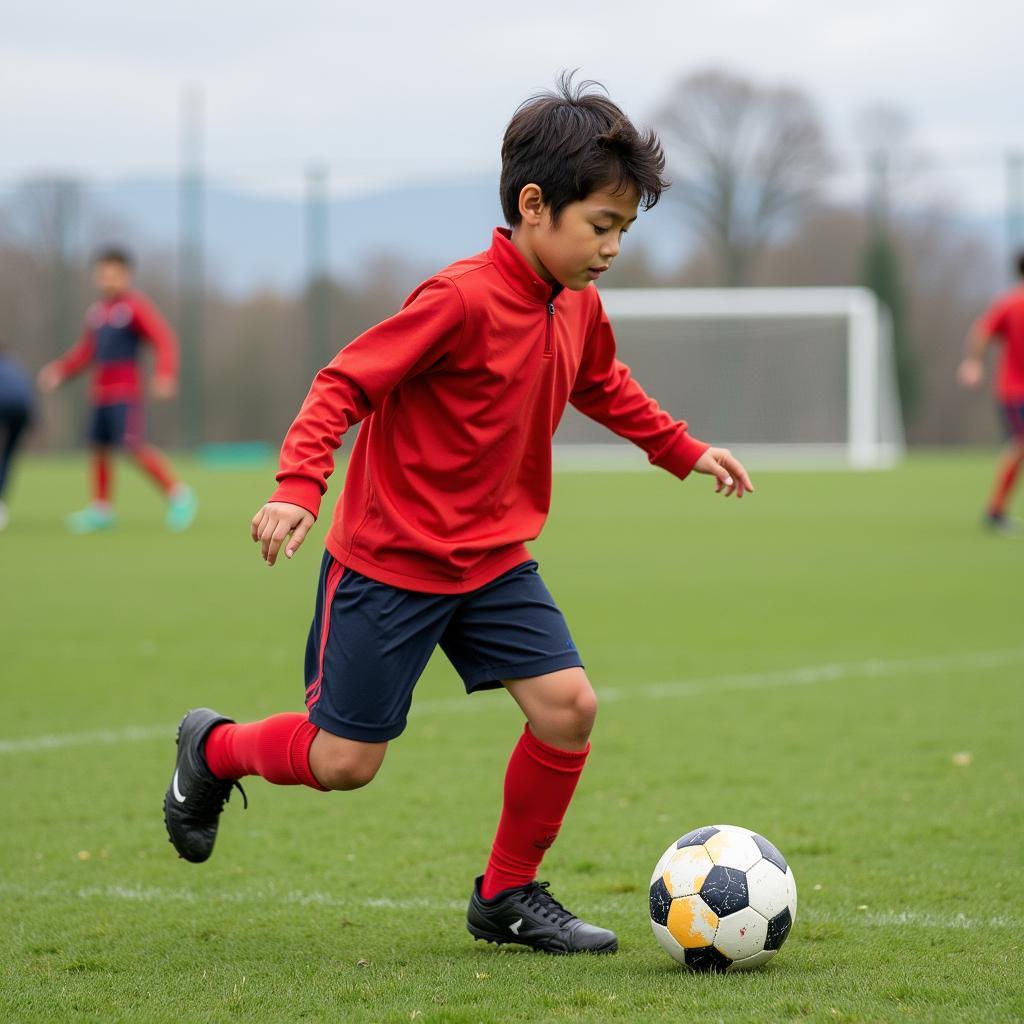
(344, 764)
(584, 709)
(560, 707)
(572, 718)
(347, 775)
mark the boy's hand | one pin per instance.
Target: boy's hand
(275, 521)
(727, 470)
(969, 372)
(164, 387)
(49, 378)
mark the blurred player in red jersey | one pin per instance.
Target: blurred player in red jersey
(1002, 323)
(116, 327)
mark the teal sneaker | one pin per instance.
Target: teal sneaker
(91, 519)
(181, 508)
(999, 522)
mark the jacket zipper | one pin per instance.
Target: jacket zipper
(549, 339)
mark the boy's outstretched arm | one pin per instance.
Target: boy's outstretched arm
(354, 384)
(983, 332)
(155, 329)
(606, 391)
(972, 367)
(76, 359)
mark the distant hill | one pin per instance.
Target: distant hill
(257, 240)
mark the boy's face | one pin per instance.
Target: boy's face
(111, 278)
(582, 245)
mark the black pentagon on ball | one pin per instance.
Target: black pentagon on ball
(778, 929)
(770, 852)
(698, 837)
(724, 890)
(706, 958)
(661, 900)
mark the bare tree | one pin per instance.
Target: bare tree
(746, 160)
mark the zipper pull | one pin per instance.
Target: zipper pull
(551, 309)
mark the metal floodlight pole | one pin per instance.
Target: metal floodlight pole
(65, 215)
(190, 265)
(318, 312)
(1014, 204)
(878, 192)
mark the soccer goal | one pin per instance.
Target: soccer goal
(785, 376)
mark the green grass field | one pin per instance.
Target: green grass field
(805, 662)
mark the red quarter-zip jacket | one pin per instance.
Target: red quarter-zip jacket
(461, 392)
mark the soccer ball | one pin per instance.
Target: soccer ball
(722, 899)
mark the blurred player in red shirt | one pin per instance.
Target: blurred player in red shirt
(1002, 324)
(116, 328)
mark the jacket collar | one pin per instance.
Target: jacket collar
(518, 274)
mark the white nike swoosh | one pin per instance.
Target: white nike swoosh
(514, 928)
(178, 795)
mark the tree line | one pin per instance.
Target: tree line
(751, 166)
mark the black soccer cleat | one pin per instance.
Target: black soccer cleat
(531, 916)
(196, 797)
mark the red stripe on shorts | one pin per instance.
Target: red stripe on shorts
(334, 574)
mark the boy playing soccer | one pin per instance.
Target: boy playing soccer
(115, 328)
(1004, 323)
(461, 392)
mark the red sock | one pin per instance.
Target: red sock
(539, 783)
(155, 466)
(101, 476)
(276, 748)
(1004, 486)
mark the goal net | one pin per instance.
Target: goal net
(785, 376)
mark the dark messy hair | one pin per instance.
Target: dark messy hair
(573, 141)
(114, 254)
(1020, 262)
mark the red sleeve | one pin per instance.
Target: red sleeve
(358, 379)
(80, 355)
(606, 391)
(992, 323)
(152, 326)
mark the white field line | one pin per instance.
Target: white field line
(56, 741)
(874, 668)
(160, 896)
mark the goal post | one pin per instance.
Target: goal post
(786, 376)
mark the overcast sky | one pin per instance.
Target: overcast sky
(409, 91)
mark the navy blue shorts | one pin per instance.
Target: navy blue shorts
(114, 426)
(370, 642)
(1013, 420)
